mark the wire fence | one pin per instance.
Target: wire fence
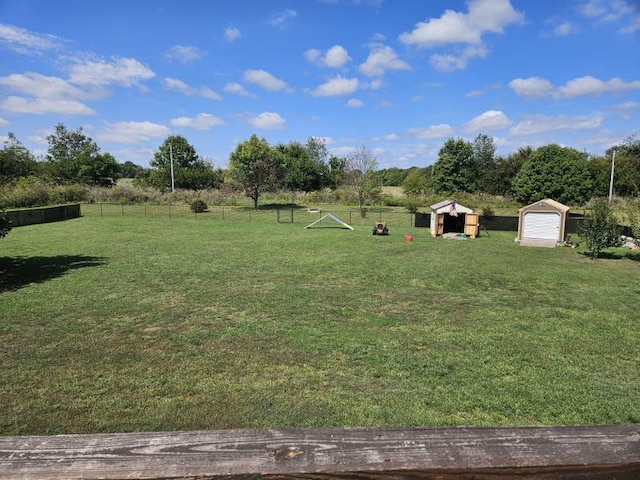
(295, 215)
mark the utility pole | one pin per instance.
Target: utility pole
(613, 164)
(173, 189)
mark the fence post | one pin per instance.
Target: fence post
(101, 210)
(278, 215)
(169, 210)
(291, 214)
(122, 209)
(222, 213)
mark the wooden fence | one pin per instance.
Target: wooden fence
(584, 453)
(31, 216)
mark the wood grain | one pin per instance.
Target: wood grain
(586, 452)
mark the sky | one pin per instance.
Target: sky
(399, 77)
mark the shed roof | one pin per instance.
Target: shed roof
(442, 206)
(547, 202)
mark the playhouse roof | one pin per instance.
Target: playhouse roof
(445, 205)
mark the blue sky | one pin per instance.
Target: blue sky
(397, 76)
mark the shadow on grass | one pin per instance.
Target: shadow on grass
(635, 256)
(18, 272)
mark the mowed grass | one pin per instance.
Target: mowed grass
(149, 324)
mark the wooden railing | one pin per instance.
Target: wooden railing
(586, 452)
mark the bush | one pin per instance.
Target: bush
(199, 206)
(488, 211)
(599, 228)
(5, 224)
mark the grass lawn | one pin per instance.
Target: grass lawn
(111, 324)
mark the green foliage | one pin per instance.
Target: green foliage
(199, 206)
(626, 180)
(488, 211)
(599, 229)
(189, 170)
(75, 158)
(361, 177)
(34, 192)
(555, 172)
(15, 161)
(416, 183)
(5, 224)
(456, 169)
(633, 214)
(255, 166)
(303, 166)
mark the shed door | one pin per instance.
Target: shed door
(541, 225)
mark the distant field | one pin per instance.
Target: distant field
(150, 323)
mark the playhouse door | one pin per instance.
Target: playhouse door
(439, 224)
(471, 225)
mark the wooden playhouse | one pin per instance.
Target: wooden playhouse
(542, 223)
(449, 216)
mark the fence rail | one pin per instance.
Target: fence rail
(585, 453)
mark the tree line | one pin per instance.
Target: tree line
(254, 167)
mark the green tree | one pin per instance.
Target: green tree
(507, 170)
(456, 169)
(552, 171)
(5, 224)
(599, 229)
(15, 160)
(484, 155)
(626, 180)
(255, 165)
(416, 183)
(129, 169)
(190, 171)
(337, 171)
(360, 175)
(75, 158)
(303, 166)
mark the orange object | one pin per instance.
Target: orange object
(408, 238)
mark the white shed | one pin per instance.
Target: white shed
(449, 216)
(542, 223)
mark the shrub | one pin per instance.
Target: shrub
(488, 211)
(599, 228)
(199, 206)
(5, 224)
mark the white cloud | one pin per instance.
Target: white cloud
(281, 19)
(236, 89)
(355, 103)
(183, 54)
(335, 57)
(391, 137)
(533, 124)
(488, 121)
(631, 105)
(4, 122)
(25, 42)
(265, 80)
(450, 62)
(382, 58)
(531, 87)
(202, 121)
(231, 34)
(120, 71)
(337, 86)
(589, 85)
(456, 27)
(578, 87)
(433, 131)
(268, 121)
(132, 132)
(563, 29)
(41, 106)
(42, 86)
(179, 85)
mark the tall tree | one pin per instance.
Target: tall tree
(337, 169)
(75, 158)
(255, 165)
(484, 155)
(626, 180)
(15, 160)
(552, 171)
(189, 170)
(303, 166)
(507, 169)
(360, 175)
(456, 169)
